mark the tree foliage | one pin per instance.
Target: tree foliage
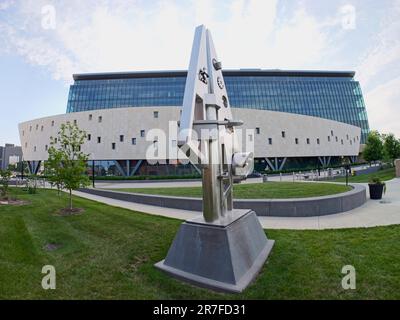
(374, 147)
(53, 168)
(66, 165)
(391, 147)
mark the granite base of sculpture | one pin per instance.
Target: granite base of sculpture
(222, 257)
(397, 164)
(225, 248)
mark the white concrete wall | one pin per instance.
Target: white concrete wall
(272, 123)
(35, 134)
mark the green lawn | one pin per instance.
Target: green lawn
(108, 253)
(270, 190)
(386, 174)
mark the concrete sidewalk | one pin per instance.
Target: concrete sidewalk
(372, 213)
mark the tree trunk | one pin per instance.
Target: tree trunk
(70, 199)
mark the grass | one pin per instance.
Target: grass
(108, 253)
(384, 175)
(269, 190)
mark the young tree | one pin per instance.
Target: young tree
(5, 176)
(374, 147)
(67, 163)
(391, 147)
(53, 168)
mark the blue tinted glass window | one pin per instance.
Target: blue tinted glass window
(335, 98)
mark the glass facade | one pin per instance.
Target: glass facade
(105, 168)
(330, 95)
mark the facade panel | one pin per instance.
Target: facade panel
(131, 122)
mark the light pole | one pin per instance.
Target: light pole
(93, 183)
(22, 170)
(347, 168)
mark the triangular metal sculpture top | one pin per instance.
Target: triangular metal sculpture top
(207, 134)
(204, 77)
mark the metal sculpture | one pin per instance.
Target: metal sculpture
(226, 247)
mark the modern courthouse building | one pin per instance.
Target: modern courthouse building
(300, 118)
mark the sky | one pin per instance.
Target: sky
(43, 43)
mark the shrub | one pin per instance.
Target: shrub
(31, 185)
(5, 176)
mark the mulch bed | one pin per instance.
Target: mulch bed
(13, 202)
(52, 246)
(70, 212)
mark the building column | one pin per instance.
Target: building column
(128, 168)
(196, 168)
(37, 166)
(325, 161)
(119, 167)
(276, 166)
(283, 163)
(269, 163)
(136, 167)
(34, 166)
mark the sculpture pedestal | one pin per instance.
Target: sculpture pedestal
(224, 256)
(397, 165)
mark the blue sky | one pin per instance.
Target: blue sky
(42, 43)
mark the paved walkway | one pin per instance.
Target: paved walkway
(372, 213)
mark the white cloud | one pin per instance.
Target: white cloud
(5, 4)
(385, 52)
(38, 52)
(300, 42)
(384, 48)
(121, 35)
(383, 107)
(378, 72)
